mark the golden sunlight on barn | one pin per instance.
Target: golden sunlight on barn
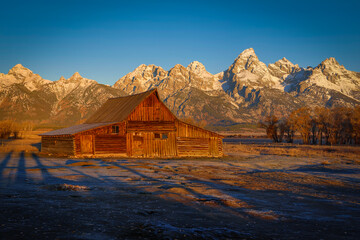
(138, 125)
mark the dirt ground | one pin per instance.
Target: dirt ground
(241, 196)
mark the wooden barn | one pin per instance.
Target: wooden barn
(138, 125)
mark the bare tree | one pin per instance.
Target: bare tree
(282, 126)
(314, 130)
(335, 122)
(355, 122)
(300, 120)
(346, 127)
(270, 125)
(322, 116)
(6, 128)
(290, 132)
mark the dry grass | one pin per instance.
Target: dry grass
(348, 152)
(28, 143)
(19, 145)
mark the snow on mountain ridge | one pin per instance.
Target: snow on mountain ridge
(22, 75)
(243, 92)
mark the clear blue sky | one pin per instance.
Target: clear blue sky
(104, 40)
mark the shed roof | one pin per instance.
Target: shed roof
(75, 129)
(118, 109)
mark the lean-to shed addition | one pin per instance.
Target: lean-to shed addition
(138, 125)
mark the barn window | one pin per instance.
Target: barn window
(115, 129)
(164, 136)
(157, 135)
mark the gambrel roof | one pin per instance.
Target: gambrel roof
(118, 109)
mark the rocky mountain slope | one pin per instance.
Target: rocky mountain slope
(247, 90)
(26, 96)
(244, 92)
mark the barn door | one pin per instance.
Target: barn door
(86, 142)
(138, 145)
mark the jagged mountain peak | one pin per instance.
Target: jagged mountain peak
(284, 61)
(331, 61)
(19, 65)
(141, 67)
(330, 66)
(282, 68)
(247, 58)
(75, 80)
(62, 78)
(20, 71)
(75, 76)
(248, 61)
(197, 67)
(20, 74)
(144, 67)
(247, 53)
(178, 66)
(195, 64)
(179, 70)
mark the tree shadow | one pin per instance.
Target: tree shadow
(106, 207)
(21, 175)
(4, 163)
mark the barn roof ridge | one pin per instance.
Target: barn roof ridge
(118, 109)
(136, 94)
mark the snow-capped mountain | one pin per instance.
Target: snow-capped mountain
(244, 92)
(21, 75)
(26, 96)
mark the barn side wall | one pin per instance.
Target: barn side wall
(195, 141)
(58, 144)
(104, 141)
(150, 144)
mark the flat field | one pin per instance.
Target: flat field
(258, 191)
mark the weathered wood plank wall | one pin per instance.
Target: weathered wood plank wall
(192, 146)
(150, 126)
(110, 144)
(146, 144)
(104, 140)
(151, 109)
(195, 141)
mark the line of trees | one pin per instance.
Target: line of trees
(11, 128)
(320, 125)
